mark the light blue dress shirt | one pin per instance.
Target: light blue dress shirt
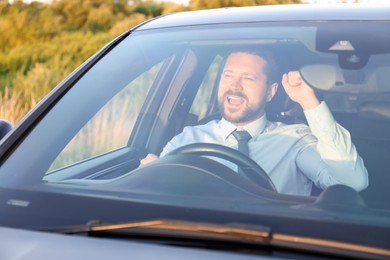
(294, 156)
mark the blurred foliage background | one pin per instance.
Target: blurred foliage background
(41, 43)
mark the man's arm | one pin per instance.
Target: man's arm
(334, 145)
(176, 142)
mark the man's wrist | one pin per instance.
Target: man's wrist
(319, 119)
(307, 105)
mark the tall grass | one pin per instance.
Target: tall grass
(31, 77)
(11, 107)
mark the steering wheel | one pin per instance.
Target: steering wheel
(250, 168)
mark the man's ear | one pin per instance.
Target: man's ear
(272, 91)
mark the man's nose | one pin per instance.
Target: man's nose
(236, 83)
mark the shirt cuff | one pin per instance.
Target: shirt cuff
(319, 118)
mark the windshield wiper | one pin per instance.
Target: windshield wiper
(256, 234)
(236, 233)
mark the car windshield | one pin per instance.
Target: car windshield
(154, 83)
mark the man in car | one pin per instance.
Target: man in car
(294, 156)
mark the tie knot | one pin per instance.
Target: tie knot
(242, 135)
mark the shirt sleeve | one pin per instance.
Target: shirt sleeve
(189, 135)
(341, 162)
(176, 142)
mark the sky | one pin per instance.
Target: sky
(310, 1)
(347, 1)
(185, 2)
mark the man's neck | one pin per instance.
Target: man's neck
(254, 127)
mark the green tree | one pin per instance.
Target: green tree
(170, 7)
(100, 19)
(149, 8)
(207, 4)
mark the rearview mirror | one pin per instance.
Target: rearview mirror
(5, 127)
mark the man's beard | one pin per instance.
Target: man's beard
(248, 114)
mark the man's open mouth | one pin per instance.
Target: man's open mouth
(235, 100)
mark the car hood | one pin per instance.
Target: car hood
(19, 244)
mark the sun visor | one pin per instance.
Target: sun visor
(330, 77)
(322, 76)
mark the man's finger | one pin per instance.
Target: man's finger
(294, 78)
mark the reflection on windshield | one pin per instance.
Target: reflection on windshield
(157, 91)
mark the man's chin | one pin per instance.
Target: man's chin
(233, 118)
(241, 117)
(238, 115)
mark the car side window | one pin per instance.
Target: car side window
(203, 101)
(111, 126)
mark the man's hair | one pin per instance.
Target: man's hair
(270, 69)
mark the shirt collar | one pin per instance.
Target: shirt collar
(254, 128)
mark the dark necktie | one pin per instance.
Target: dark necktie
(242, 137)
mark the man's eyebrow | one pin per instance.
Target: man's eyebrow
(251, 74)
(227, 71)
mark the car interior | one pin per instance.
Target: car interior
(367, 120)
